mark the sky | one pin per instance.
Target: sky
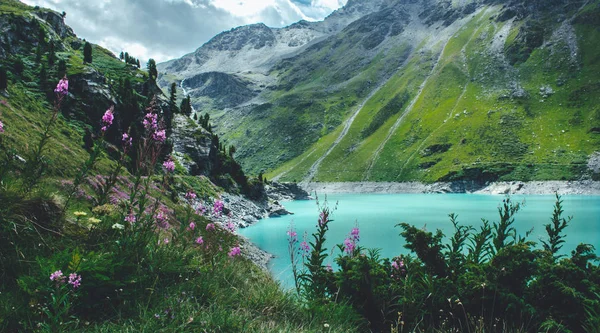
(168, 29)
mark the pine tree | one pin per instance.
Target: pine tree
(232, 150)
(62, 68)
(186, 106)
(152, 72)
(43, 78)
(173, 99)
(3, 78)
(137, 62)
(87, 53)
(39, 52)
(51, 55)
(122, 56)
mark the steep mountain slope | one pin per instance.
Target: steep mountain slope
(424, 90)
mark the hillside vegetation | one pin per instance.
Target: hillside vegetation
(425, 90)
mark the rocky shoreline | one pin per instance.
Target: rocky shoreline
(581, 187)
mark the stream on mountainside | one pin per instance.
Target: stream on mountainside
(377, 214)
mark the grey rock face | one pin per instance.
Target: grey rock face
(256, 35)
(191, 145)
(225, 89)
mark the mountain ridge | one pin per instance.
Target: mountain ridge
(493, 60)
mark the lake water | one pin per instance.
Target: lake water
(377, 215)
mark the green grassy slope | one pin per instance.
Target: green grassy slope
(469, 121)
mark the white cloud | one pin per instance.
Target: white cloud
(167, 29)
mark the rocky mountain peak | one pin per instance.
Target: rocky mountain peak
(256, 36)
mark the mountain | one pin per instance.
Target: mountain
(402, 90)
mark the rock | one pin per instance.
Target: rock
(286, 191)
(253, 253)
(191, 146)
(594, 162)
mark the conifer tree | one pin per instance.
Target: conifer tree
(3, 78)
(62, 68)
(137, 62)
(87, 53)
(51, 55)
(122, 56)
(43, 78)
(152, 72)
(173, 99)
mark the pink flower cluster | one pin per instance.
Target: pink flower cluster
(210, 226)
(398, 268)
(1, 127)
(235, 251)
(192, 226)
(190, 195)
(107, 119)
(200, 210)
(74, 279)
(292, 235)
(169, 165)
(161, 219)
(304, 248)
(200, 240)
(159, 136)
(349, 246)
(217, 208)
(130, 218)
(150, 121)
(62, 88)
(230, 226)
(351, 240)
(354, 234)
(127, 140)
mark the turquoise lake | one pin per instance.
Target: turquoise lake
(377, 215)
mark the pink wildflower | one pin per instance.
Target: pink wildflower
(292, 235)
(62, 88)
(234, 252)
(130, 218)
(201, 210)
(190, 195)
(1, 127)
(108, 118)
(349, 246)
(192, 226)
(354, 234)
(200, 240)
(159, 136)
(217, 208)
(210, 226)
(169, 165)
(75, 280)
(150, 121)
(305, 248)
(126, 140)
(166, 241)
(230, 226)
(56, 276)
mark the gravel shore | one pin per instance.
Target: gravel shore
(583, 187)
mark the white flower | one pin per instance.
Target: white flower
(118, 226)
